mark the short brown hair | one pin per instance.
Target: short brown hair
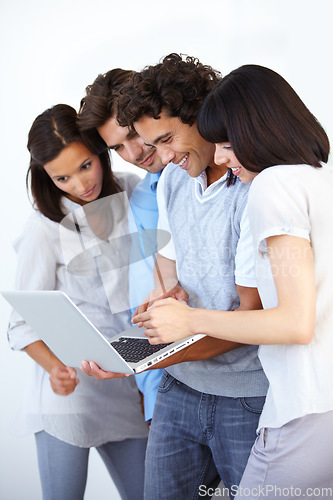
(177, 85)
(98, 105)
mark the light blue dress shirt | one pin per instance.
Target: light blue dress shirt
(141, 278)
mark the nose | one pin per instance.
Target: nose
(81, 185)
(220, 156)
(166, 154)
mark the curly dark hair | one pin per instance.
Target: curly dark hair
(177, 85)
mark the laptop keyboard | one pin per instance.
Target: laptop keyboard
(134, 350)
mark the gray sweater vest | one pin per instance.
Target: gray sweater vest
(205, 228)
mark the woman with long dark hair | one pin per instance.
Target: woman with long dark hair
(73, 189)
(264, 133)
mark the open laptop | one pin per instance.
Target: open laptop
(73, 338)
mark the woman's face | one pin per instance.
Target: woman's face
(77, 172)
(224, 154)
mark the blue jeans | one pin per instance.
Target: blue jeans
(63, 467)
(195, 439)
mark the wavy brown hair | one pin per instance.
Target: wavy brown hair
(51, 132)
(178, 85)
(259, 113)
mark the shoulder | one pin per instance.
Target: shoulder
(37, 230)
(37, 222)
(280, 182)
(172, 170)
(127, 181)
(172, 178)
(144, 185)
(282, 174)
(239, 187)
(237, 195)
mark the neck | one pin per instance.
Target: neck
(215, 172)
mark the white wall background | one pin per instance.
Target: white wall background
(50, 51)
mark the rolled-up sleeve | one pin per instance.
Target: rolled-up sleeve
(36, 270)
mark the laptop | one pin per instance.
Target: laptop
(73, 338)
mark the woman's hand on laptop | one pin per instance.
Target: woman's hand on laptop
(93, 370)
(177, 293)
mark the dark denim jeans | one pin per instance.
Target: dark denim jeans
(195, 439)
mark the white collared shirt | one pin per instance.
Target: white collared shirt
(97, 411)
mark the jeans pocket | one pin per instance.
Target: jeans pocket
(253, 404)
(167, 381)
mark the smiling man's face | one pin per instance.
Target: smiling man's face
(177, 142)
(130, 146)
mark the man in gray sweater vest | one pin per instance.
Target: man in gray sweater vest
(207, 410)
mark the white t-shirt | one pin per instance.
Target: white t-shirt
(97, 411)
(296, 200)
(244, 264)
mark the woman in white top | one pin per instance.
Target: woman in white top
(71, 181)
(261, 126)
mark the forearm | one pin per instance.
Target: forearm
(63, 379)
(40, 353)
(280, 325)
(292, 321)
(205, 348)
(166, 284)
(165, 274)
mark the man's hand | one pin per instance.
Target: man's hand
(166, 285)
(63, 380)
(166, 320)
(177, 293)
(95, 371)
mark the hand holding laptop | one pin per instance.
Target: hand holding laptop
(73, 338)
(205, 348)
(93, 370)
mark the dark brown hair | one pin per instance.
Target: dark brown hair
(99, 104)
(263, 118)
(51, 132)
(177, 85)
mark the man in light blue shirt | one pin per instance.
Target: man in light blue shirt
(98, 116)
(145, 212)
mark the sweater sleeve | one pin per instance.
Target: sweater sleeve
(168, 250)
(245, 274)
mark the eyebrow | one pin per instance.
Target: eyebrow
(158, 139)
(130, 133)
